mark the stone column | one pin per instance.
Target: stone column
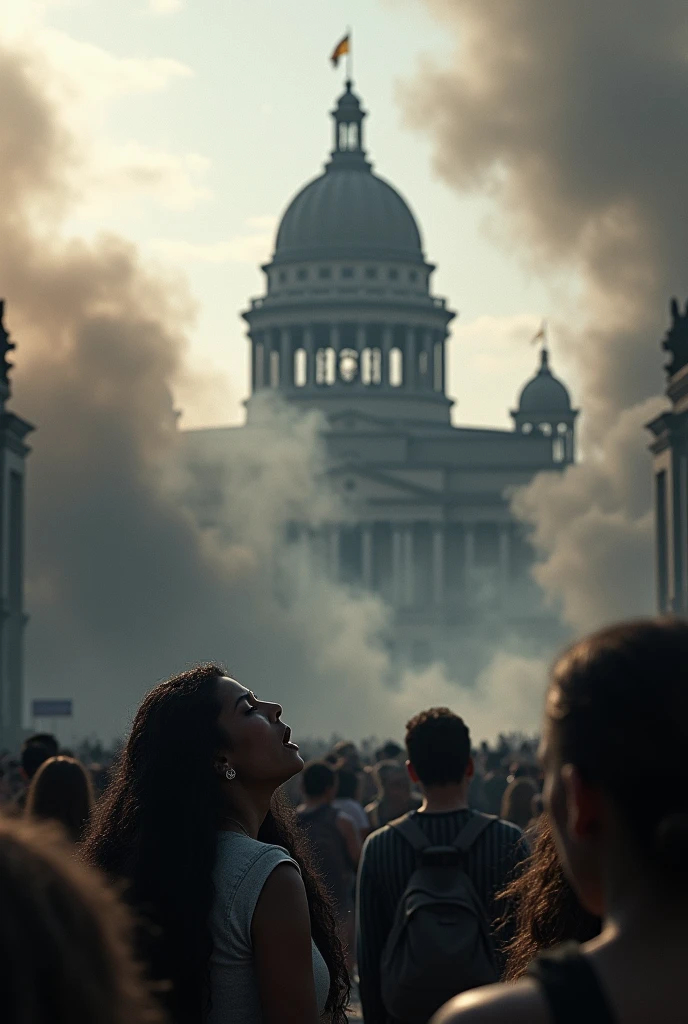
(397, 566)
(438, 565)
(410, 361)
(361, 341)
(469, 557)
(333, 560)
(309, 345)
(254, 365)
(429, 361)
(387, 336)
(367, 555)
(286, 360)
(409, 581)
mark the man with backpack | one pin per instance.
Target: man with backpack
(426, 908)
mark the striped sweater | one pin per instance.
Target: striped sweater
(388, 862)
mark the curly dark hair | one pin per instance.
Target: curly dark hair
(65, 938)
(545, 908)
(439, 746)
(156, 829)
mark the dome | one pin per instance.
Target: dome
(544, 393)
(349, 214)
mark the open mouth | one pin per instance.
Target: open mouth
(286, 739)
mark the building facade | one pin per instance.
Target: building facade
(349, 325)
(13, 452)
(670, 457)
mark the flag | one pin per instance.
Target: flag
(541, 335)
(340, 49)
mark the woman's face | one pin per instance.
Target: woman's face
(259, 746)
(572, 808)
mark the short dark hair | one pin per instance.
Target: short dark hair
(389, 751)
(347, 787)
(317, 778)
(439, 746)
(37, 749)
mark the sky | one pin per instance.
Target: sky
(199, 121)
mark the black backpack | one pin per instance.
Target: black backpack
(440, 941)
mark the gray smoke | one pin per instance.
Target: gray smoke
(123, 587)
(573, 119)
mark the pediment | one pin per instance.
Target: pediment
(375, 483)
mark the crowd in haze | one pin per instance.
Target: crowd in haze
(207, 874)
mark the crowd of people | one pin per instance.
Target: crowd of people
(212, 876)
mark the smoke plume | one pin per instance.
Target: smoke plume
(123, 586)
(572, 118)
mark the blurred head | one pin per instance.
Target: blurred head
(347, 756)
(35, 750)
(319, 780)
(64, 938)
(616, 777)
(348, 785)
(61, 791)
(390, 751)
(517, 802)
(393, 781)
(439, 748)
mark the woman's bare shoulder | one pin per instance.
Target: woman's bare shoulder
(517, 1003)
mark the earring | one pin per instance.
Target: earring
(230, 774)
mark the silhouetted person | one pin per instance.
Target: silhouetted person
(61, 791)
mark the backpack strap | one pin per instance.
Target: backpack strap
(472, 831)
(411, 831)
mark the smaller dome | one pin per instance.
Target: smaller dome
(544, 393)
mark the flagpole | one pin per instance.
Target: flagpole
(350, 58)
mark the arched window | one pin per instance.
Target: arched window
(330, 366)
(321, 366)
(527, 428)
(546, 429)
(438, 353)
(300, 368)
(274, 369)
(353, 136)
(259, 365)
(558, 449)
(371, 366)
(422, 362)
(348, 365)
(396, 368)
(343, 136)
(562, 428)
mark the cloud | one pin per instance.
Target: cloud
(165, 6)
(252, 248)
(572, 119)
(123, 585)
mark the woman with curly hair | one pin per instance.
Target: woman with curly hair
(65, 938)
(212, 858)
(545, 909)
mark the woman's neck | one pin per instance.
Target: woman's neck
(246, 811)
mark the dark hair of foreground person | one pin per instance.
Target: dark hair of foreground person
(65, 954)
(616, 793)
(61, 791)
(157, 828)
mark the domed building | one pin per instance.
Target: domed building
(349, 325)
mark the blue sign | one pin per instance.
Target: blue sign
(51, 709)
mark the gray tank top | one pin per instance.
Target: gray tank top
(242, 868)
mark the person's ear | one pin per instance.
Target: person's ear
(220, 764)
(413, 774)
(583, 804)
(470, 769)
